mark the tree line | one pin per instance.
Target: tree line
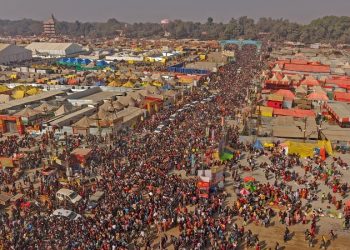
(330, 29)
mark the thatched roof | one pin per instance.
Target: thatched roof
(65, 108)
(85, 122)
(44, 107)
(28, 112)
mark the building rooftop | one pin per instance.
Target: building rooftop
(72, 117)
(30, 99)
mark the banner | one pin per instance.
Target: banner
(203, 185)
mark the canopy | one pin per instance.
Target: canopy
(129, 84)
(101, 63)
(244, 192)
(19, 94)
(3, 88)
(317, 97)
(249, 179)
(347, 203)
(258, 145)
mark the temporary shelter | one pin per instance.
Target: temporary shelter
(258, 146)
(64, 109)
(317, 97)
(45, 107)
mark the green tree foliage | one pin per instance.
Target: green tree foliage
(325, 29)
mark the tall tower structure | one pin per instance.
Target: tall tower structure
(50, 27)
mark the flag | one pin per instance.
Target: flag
(226, 156)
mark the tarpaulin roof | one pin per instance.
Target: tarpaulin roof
(317, 97)
(294, 112)
(258, 145)
(28, 112)
(307, 68)
(287, 94)
(342, 97)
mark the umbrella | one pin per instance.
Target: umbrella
(244, 192)
(347, 203)
(249, 179)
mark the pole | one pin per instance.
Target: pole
(305, 129)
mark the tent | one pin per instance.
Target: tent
(5, 98)
(65, 108)
(308, 149)
(317, 97)
(129, 84)
(86, 61)
(85, 123)
(101, 63)
(19, 94)
(225, 156)
(258, 145)
(28, 112)
(45, 107)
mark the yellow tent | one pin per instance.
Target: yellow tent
(308, 149)
(268, 145)
(18, 94)
(3, 88)
(114, 84)
(203, 57)
(33, 91)
(157, 84)
(264, 111)
(129, 84)
(13, 76)
(52, 82)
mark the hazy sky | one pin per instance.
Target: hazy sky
(155, 10)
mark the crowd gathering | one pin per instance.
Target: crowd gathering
(144, 195)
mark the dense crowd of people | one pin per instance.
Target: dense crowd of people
(143, 200)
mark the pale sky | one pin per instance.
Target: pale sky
(156, 10)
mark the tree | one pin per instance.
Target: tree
(210, 21)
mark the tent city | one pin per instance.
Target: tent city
(174, 134)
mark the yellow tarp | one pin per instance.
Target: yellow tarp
(268, 145)
(327, 145)
(114, 84)
(264, 111)
(128, 85)
(18, 94)
(307, 149)
(157, 84)
(33, 91)
(13, 76)
(3, 88)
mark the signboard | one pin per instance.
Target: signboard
(202, 185)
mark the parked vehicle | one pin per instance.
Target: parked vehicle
(68, 214)
(68, 195)
(95, 199)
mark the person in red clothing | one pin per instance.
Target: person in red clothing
(258, 247)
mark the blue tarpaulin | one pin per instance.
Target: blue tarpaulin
(258, 145)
